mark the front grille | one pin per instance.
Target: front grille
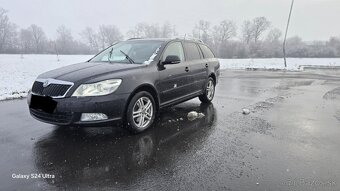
(58, 117)
(52, 90)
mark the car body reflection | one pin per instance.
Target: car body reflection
(111, 156)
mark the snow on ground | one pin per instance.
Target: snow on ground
(17, 73)
(278, 63)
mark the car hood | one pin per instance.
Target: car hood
(86, 70)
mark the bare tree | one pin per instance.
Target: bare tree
(153, 31)
(253, 30)
(274, 35)
(4, 22)
(145, 30)
(260, 24)
(334, 42)
(219, 37)
(224, 31)
(7, 31)
(296, 47)
(271, 47)
(247, 31)
(227, 30)
(64, 41)
(221, 34)
(168, 30)
(202, 30)
(138, 31)
(91, 38)
(39, 38)
(26, 41)
(108, 34)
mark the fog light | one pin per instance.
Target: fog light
(93, 116)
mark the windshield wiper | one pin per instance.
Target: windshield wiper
(128, 57)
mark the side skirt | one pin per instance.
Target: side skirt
(180, 99)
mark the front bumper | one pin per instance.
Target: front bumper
(68, 110)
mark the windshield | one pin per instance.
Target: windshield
(133, 52)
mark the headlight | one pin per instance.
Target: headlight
(97, 89)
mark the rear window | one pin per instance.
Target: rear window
(192, 52)
(207, 53)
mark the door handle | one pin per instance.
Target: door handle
(206, 65)
(187, 69)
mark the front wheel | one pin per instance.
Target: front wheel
(141, 112)
(209, 91)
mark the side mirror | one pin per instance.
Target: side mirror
(172, 59)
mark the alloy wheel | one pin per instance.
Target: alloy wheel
(210, 90)
(142, 112)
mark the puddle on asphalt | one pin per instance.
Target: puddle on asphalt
(111, 156)
(337, 115)
(295, 83)
(248, 123)
(333, 94)
(266, 104)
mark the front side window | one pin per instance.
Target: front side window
(174, 49)
(192, 51)
(138, 51)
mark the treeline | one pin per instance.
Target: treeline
(255, 38)
(258, 39)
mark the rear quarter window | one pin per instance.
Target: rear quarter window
(207, 53)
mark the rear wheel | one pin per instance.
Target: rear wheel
(141, 112)
(209, 91)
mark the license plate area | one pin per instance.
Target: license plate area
(46, 104)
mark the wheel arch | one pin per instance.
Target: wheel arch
(143, 87)
(213, 76)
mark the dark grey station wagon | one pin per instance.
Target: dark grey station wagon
(129, 82)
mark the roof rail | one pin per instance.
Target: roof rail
(189, 37)
(134, 38)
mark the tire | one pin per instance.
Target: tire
(209, 91)
(140, 115)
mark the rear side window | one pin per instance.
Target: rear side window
(207, 53)
(174, 49)
(191, 50)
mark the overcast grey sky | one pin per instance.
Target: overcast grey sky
(311, 19)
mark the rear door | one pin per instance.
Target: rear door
(198, 71)
(173, 78)
(211, 63)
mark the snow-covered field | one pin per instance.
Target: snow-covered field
(293, 64)
(18, 73)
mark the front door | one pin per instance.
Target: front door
(173, 78)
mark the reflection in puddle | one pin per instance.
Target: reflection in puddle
(111, 156)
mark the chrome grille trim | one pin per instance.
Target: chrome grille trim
(56, 82)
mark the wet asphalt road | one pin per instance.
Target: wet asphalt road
(289, 141)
